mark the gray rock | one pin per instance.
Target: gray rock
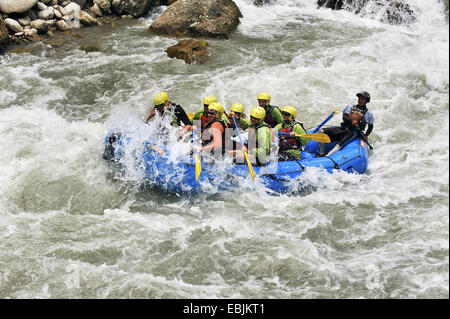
(46, 14)
(13, 25)
(104, 5)
(32, 15)
(62, 25)
(57, 14)
(96, 10)
(46, 1)
(198, 18)
(87, 19)
(62, 10)
(136, 8)
(4, 35)
(16, 6)
(115, 6)
(41, 6)
(24, 21)
(39, 25)
(73, 8)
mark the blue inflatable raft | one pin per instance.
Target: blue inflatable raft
(178, 175)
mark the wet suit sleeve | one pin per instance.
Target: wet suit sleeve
(299, 130)
(369, 130)
(198, 114)
(181, 115)
(276, 115)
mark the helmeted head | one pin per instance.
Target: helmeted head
(257, 113)
(218, 107)
(365, 95)
(161, 100)
(208, 100)
(289, 111)
(237, 108)
(263, 99)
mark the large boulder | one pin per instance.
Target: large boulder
(16, 6)
(191, 51)
(136, 8)
(198, 18)
(4, 36)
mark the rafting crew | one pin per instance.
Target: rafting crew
(355, 118)
(166, 109)
(273, 114)
(290, 143)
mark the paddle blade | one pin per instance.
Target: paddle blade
(198, 167)
(250, 167)
(318, 137)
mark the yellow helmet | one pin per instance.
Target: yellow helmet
(217, 107)
(291, 110)
(237, 108)
(209, 99)
(161, 98)
(258, 112)
(264, 96)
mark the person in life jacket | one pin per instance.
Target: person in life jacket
(237, 111)
(290, 146)
(355, 118)
(213, 135)
(162, 104)
(273, 113)
(201, 114)
(259, 141)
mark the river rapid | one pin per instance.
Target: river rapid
(69, 228)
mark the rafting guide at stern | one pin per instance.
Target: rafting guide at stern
(354, 121)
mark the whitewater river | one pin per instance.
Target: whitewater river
(68, 229)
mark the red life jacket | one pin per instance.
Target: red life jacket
(287, 142)
(204, 120)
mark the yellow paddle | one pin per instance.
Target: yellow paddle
(319, 137)
(198, 163)
(250, 167)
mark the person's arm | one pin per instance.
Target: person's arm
(198, 114)
(346, 115)
(150, 115)
(216, 131)
(299, 130)
(369, 130)
(182, 116)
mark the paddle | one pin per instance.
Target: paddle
(250, 167)
(319, 137)
(198, 163)
(363, 137)
(335, 111)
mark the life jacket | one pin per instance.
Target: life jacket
(203, 121)
(287, 142)
(268, 119)
(208, 138)
(362, 122)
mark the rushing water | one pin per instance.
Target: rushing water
(69, 229)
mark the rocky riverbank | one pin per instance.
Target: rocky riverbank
(24, 21)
